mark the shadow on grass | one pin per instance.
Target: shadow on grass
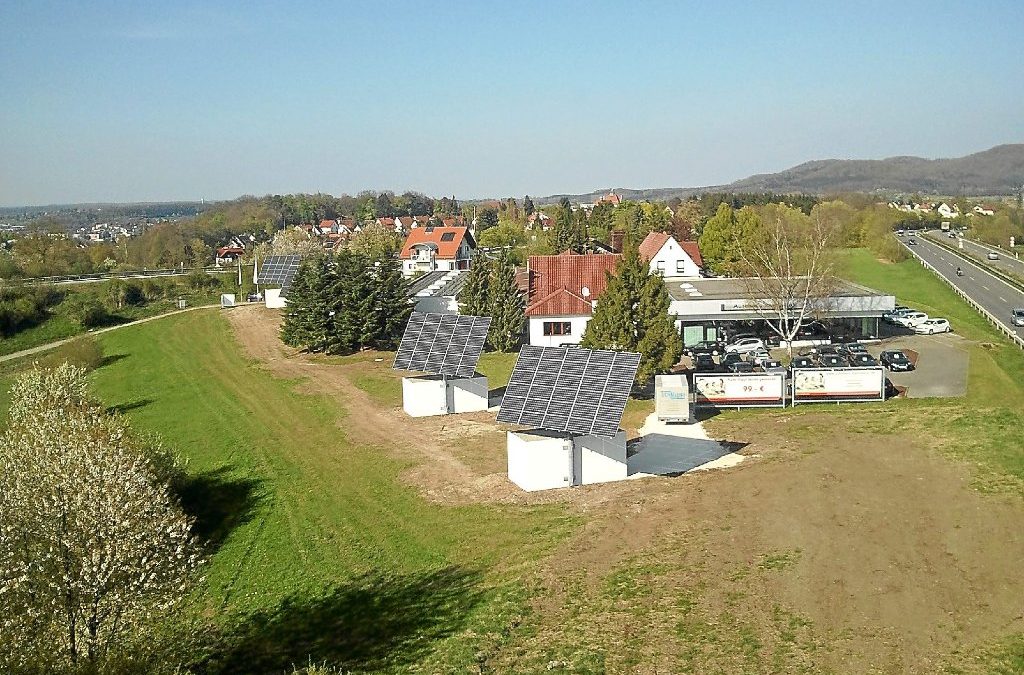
(122, 408)
(111, 359)
(374, 622)
(219, 501)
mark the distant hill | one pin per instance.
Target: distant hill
(998, 171)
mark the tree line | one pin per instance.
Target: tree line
(491, 290)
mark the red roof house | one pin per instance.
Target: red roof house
(669, 257)
(432, 249)
(562, 289)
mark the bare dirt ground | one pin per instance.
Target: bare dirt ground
(833, 550)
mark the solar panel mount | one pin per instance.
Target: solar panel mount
(279, 270)
(569, 389)
(442, 344)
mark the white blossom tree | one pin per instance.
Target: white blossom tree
(94, 547)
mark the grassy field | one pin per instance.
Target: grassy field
(320, 548)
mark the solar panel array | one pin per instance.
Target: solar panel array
(579, 391)
(279, 270)
(443, 344)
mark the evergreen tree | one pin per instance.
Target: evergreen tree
(528, 207)
(307, 321)
(632, 315)
(390, 306)
(475, 295)
(487, 219)
(506, 307)
(351, 303)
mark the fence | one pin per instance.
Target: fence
(125, 274)
(1002, 327)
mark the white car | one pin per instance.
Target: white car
(758, 357)
(993, 256)
(932, 326)
(745, 345)
(910, 319)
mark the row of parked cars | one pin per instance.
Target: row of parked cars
(750, 354)
(916, 321)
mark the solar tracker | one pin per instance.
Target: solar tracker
(570, 389)
(444, 344)
(279, 270)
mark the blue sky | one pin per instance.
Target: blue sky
(127, 101)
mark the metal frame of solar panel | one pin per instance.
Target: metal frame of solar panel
(443, 344)
(279, 270)
(569, 389)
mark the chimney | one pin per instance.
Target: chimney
(616, 241)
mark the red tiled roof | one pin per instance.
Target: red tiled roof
(445, 249)
(573, 272)
(406, 221)
(327, 224)
(223, 250)
(651, 244)
(692, 249)
(560, 303)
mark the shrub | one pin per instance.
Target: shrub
(85, 353)
(85, 309)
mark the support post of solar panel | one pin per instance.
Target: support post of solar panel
(446, 347)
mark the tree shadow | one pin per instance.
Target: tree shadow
(122, 408)
(111, 359)
(375, 621)
(219, 501)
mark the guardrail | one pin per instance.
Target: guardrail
(978, 262)
(1002, 327)
(123, 274)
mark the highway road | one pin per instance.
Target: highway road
(989, 291)
(1006, 263)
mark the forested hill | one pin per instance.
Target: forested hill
(997, 171)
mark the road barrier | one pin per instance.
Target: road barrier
(978, 262)
(1002, 327)
(124, 274)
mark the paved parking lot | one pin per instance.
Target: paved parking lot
(941, 364)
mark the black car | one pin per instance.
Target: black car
(729, 359)
(911, 242)
(849, 349)
(703, 363)
(712, 347)
(862, 360)
(801, 362)
(894, 359)
(740, 367)
(832, 361)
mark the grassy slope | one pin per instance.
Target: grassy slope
(310, 509)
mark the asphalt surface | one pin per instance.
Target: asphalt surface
(989, 291)
(941, 369)
(1006, 262)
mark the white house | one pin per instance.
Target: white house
(947, 211)
(982, 210)
(562, 290)
(670, 258)
(437, 248)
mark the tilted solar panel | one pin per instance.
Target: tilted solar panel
(443, 344)
(569, 389)
(279, 270)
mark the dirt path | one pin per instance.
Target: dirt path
(834, 550)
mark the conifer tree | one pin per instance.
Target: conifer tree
(528, 207)
(632, 315)
(475, 295)
(307, 321)
(506, 307)
(351, 301)
(390, 306)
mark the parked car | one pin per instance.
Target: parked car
(704, 363)
(712, 347)
(863, 360)
(758, 355)
(993, 256)
(729, 359)
(850, 348)
(911, 319)
(745, 345)
(773, 366)
(1017, 317)
(832, 361)
(740, 367)
(895, 314)
(894, 359)
(932, 326)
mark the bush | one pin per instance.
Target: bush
(133, 294)
(85, 309)
(85, 353)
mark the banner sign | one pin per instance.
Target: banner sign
(838, 384)
(737, 390)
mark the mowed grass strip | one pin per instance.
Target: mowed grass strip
(296, 508)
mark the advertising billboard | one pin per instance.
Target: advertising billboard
(737, 390)
(672, 398)
(838, 384)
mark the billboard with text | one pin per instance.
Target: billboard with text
(838, 384)
(734, 390)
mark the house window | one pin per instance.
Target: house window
(557, 328)
(680, 266)
(661, 267)
(448, 236)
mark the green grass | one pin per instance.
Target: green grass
(54, 328)
(314, 530)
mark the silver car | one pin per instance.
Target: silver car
(1017, 316)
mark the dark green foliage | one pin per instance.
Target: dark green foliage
(506, 307)
(632, 315)
(23, 307)
(528, 207)
(85, 309)
(475, 296)
(345, 304)
(570, 230)
(488, 218)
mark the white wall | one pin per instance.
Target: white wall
(599, 460)
(273, 298)
(424, 396)
(414, 265)
(668, 256)
(538, 461)
(537, 337)
(467, 394)
(437, 305)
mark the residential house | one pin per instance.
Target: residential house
(669, 258)
(610, 198)
(228, 255)
(540, 219)
(436, 248)
(947, 211)
(984, 210)
(562, 290)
